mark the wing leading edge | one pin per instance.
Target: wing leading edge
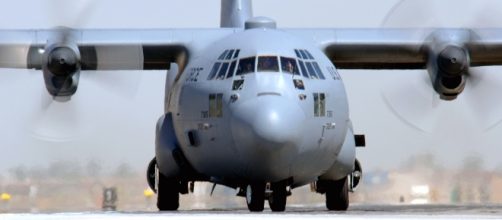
(403, 48)
(108, 49)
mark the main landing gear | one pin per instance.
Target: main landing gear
(276, 193)
(337, 193)
(168, 193)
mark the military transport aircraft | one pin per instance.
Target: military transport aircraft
(248, 105)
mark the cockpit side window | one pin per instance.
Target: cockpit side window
(309, 55)
(246, 65)
(223, 55)
(298, 53)
(214, 70)
(223, 71)
(232, 69)
(308, 65)
(236, 54)
(311, 70)
(303, 54)
(224, 68)
(268, 64)
(288, 65)
(318, 70)
(304, 70)
(229, 55)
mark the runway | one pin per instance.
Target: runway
(356, 212)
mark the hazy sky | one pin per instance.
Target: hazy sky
(113, 128)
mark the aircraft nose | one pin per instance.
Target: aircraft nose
(267, 131)
(268, 122)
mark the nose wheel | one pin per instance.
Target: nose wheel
(255, 197)
(277, 200)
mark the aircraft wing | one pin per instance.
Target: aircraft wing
(403, 48)
(447, 54)
(106, 49)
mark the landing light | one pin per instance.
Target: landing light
(41, 50)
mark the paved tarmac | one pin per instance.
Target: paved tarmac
(293, 212)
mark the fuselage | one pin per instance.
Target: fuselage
(260, 105)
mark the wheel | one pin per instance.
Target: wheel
(255, 197)
(277, 201)
(168, 193)
(337, 195)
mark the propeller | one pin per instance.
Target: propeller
(408, 98)
(59, 121)
(61, 117)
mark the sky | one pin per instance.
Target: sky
(114, 125)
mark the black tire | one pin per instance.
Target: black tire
(277, 201)
(168, 194)
(150, 174)
(255, 197)
(337, 195)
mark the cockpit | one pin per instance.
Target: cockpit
(229, 64)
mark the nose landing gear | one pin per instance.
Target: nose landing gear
(275, 193)
(277, 199)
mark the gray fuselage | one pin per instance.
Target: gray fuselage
(270, 123)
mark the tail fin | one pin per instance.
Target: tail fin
(234, 13)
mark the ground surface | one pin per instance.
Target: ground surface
(295, 212)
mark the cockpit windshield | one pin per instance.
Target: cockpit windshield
(288, 65)
(268, 64)
(229, 63)
(246, 65)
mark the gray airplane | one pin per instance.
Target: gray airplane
(248, 105)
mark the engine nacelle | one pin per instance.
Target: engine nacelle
(61, 68)
(61, 87)
(447, 68)
(449, 61)
(449, 88)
